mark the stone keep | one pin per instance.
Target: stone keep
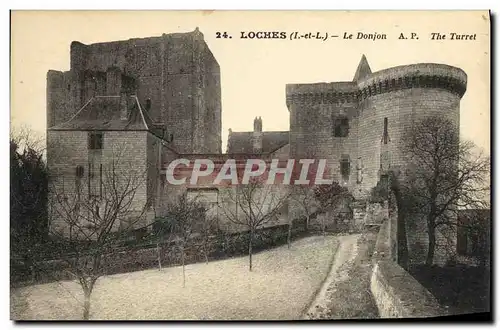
(175, 77)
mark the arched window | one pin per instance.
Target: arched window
(341, 127)
(148, 104)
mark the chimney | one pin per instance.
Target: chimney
(257, 124)
(257, 135)
(228, 145)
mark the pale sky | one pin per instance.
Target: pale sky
(254, 72)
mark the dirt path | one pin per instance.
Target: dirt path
(345, 294)
(346, 252)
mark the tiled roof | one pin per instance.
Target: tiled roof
(363, 69)
(103, 113)
(241, 142)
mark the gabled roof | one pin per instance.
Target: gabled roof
(241, 142)
(363, 69)
(103, 113)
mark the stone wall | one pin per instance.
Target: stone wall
(144, 255)
(359, 213)
(124, 153)
(375, 213)
(397, 293)
(312, 134)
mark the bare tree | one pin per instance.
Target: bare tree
(163, 230)
(445, 175)
(92, 214)
(186, 214)
(26, 138)
(304, 197)
(253, 206)
(208, 230)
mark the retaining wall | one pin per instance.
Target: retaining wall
(397, 293)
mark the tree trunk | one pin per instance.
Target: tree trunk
(401, 237)
(307, 223)
(32, 272)
(158, 251)
(86, 304)
(432, 244)
(289, 236)
(205, 250)
(183, 269)
(250, 250)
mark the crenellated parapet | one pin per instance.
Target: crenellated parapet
(336, 92)
(424, 75)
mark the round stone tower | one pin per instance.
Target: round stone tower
(391, 101)
(358, 125)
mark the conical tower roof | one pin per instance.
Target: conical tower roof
(363, 69)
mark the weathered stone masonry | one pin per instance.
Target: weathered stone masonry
(153, 97)
(175, 77)
(376, 109)
(161, 97)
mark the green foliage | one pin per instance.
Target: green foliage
(330, 196)
(163, 225)
(28, 198)
(379, 193)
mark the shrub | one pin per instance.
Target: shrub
(379, 193)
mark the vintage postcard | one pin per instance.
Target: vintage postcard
(250, 165)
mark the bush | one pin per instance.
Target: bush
(379, 193)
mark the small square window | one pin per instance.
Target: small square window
(95, 141)
(79, 171)
(341, 127)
